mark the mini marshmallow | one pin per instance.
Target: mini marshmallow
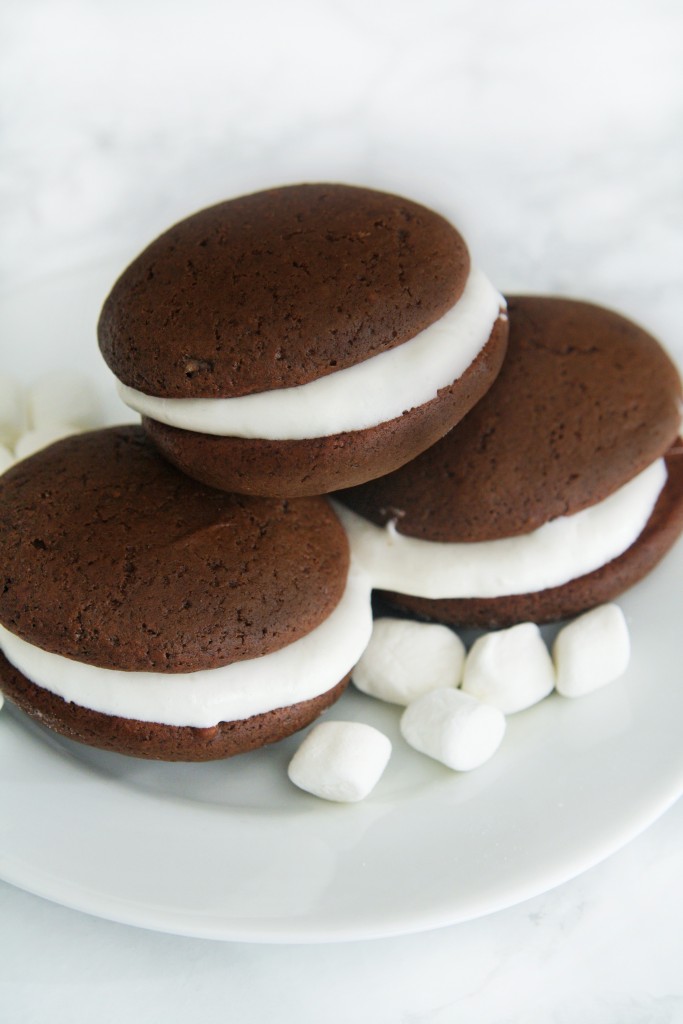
(454, 728)
(591, 651)
(6, 458)
(340, 761)
(33, 440)
(511, 669)
(12, 410)
(63, 397)
(405, 659)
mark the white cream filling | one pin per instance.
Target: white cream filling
(560, 550)
(361, 396)
(304, 669)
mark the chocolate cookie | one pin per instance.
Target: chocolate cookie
(138, 606)
(302, 339)
(565, 450)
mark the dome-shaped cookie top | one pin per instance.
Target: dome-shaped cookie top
(585, 400)
(112, 557)
(278, 288)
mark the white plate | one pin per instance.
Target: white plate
(231, 850)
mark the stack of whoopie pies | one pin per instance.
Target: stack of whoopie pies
(183, 590)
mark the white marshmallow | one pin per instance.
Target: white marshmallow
(12, 410)
(64, 397)
(405, 659)
(6, 458)
(511, 669)
(33, 440)
(340, 761)
(591, 651)
(454, 728)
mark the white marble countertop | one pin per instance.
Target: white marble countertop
(551, 135)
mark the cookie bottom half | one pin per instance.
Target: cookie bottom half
(153, 740)
(300, 468)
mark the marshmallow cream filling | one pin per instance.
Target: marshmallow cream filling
(304, 669)
(374, 391)
(560, 550)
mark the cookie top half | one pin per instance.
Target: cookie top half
(275, 289)
(585, 400)
(111, 556)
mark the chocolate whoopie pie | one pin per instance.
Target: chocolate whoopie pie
(147, 614)
(303, 339)
(559, 490)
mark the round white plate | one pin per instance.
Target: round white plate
(231, 850)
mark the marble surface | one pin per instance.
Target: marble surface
(551, 134)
